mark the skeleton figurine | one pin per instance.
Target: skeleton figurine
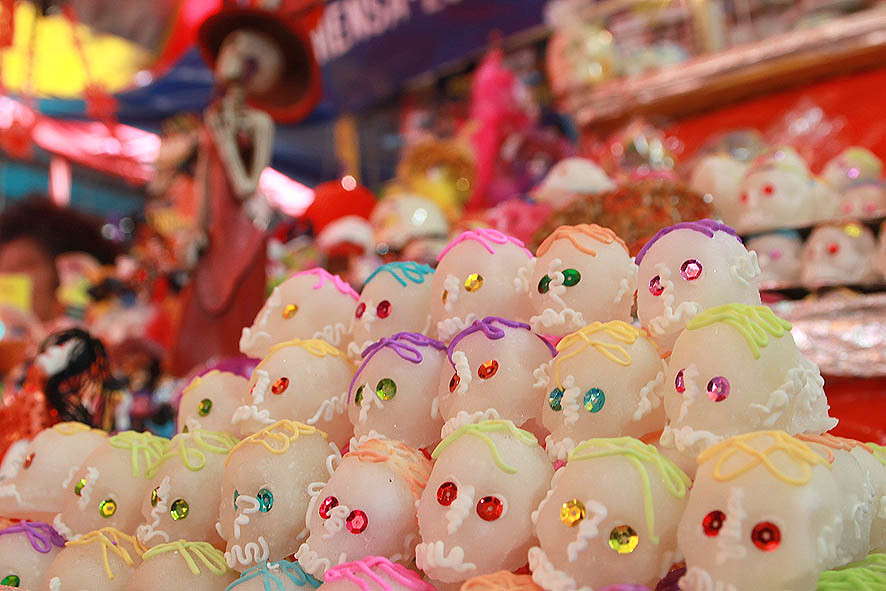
(184, 499)
(301, 380)
(605, 381)
(688, 267)
(779, 255)
(561, 301)
(367, 508)
(282, 575)
(477, 276)
(593, 534)
(312, 304)
(373, 573)
(394, 392)
(839, 254)
(102, 559)
(266, 488)
(474, 515)
(209, 401)
(43, 469)
(195, 566)
(26, 550)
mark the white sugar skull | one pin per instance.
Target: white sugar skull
(312, 304)
(605, 381)
(184, 498)
(108, 489)
(209, 401)
(779, 255)
(45, 467)
(474, 515)
(491, 374)
(282, 575)
(367, 508)
(395, 298)
(763, 383)
(562, 288)
(26, 550)
(571, 177)
(880, 257)
(477, 276)
(610, 517)
(878, 478)
(394, 392)
(763, 514)
(265, 491)
(305, 381)
(689, 267)
(852, 165)
(195, 566)
(373, 573)
(839, 254)
(102, 559)
(863, 200)
(720, 176)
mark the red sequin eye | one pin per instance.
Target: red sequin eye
(833, 248)
(356, 521)
(361, 308)
(712, 523)
(28, 461)
(328, 504)
(454, 382)
(768, 189)
(679, 384)
(383, 309)
(766, 536)
(447, 493)
(489, 508)
(487, 369)
(744, 198)
(655, 287)
(280, 386)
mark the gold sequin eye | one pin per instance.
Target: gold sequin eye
(107, 508)
(289, 311)
(155, 497)
(474, 282)
(623, 539)
(572, 512)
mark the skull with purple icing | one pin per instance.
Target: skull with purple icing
(605, 381)
(395, 298)
(687, 268)
(280, 575)
(184, 498)
(852, 165)
(474, 515)
(367, 508)
(45, 468)
(610, 517)
(840, 254)
(779, 255)
(300, 380)
(763, 383)
(102, 559)
(195, 566)
(26, 550)
(108, 489)
(313, 304)
(394, 392)
(209, 401)
(265, 491)
(477, 276)
(563, 286)
(373, 573)
(491, 374)
(864, 200)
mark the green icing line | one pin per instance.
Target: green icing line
(190, 447)
(866, 575)
(639, 454)
(480, 431)
(211, 558)
(755, 323)
(146, 444)
(879, 452)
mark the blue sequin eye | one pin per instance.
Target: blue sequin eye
(265, 500)
(236, 494)
(554, 399)
(594, 400)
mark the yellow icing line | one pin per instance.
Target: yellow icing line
(581, 340)
(480, 430)
(278, 437)
(144, 444)
(73, 427)
(409, 464)
(211, 558)
(755, 323)
(639, 454)
(316, 347)
(190, 447)
(195, 383)
(111, 539)
(598, 233)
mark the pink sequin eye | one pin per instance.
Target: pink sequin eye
(718, 389)
(655, 287)
(775, 254)
(679, 384)
(870, 208)
(690, 270)
(361, 308)
(328, 504)
(356, 521)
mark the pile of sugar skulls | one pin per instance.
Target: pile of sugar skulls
(508, 426)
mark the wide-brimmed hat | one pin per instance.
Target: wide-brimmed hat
(288, 23)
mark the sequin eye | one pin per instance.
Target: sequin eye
(358, 397)
(179, 509)
(107, 508)
(474, 282)
(655, 287)
(386, 389)
(289, 311)
(768, 190)
(487, 369)
(356, 521)
(594, 400)
(236, 494)
(328, 504)
(454, 381)
(11, 581)
(205, 407)
(718, 389)
(679, 384)
(155, 496)
(544, 284)
(78, 488)
(361, 309)
(571, 277)
(712, 523)
(572, 512)
(554, 399)
(766, 536)
(265, 500)
(280, 386)
(28, 461)
(690, 270)
(490, 508)
(383, 310)
(623, 539)
(833, 248)
(447, 493)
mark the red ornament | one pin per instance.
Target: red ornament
(447, 493)
(766, 536)
(489, 508)
(383, 310)
(100, 104)
(768, 190)
(280, 386)
(712, 523)
(326, 506)
(16, 140)
(361, 308)
(356, 522)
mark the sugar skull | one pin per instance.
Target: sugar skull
(300, 380)
(763, 514)
(720, 176)
(394, 392)
(878, 477)
(266, 488)
(688, 267)
(312, 304)
(107, 491)
(595, 531)
(395, 298)
(569, 178)
(102, 559)
(764, 381)
(477, 276)
(779, 255)
(26, 550)
(373, 573)
(866, 199)
(184, 498)
(474, 515)
(491, 374)
(605, 381)
(852, 165)
(44, 468)
(195, 566)
(561, 301)
(500, 581)
(839, 254)
(367, 507)
(282, 575)
(865, 575)
(209, 401)
(880, 257)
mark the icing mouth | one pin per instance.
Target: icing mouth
(672, 319)
(249, 554)
(148, 531)
(698, 579)
(336, 521)
(546, 576)
(431, 557)
(559, 449)
(313, 563)
(567, 318)
(685, 439)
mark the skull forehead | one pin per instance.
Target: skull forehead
(368, 482)
(304, 460)
(470, 256)
(297, 360)
(683, 244)
(165, 569)
(512, 345)
(388, 363)
(474, 459)
(213, 383)
(595, 363)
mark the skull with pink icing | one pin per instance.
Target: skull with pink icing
(209, 401)
(863, 200)
(394, 392)
(839, 254)
(474, 515)
(852, 165)
(562, 288)
(368, 507)
(373, 573)
(687, 268)
(491, 374)
(26, 551)
(102, 559)
(477, 276)
(196, 566)
(313, 304)
(779, 255)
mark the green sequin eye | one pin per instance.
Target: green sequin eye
(107, 508)
(554, 399)
(11, 581)
(358, 397)
(179, 509)
(204, 407)
(155, 496)
(265, 500)
(571, 277)
(386, 389)
(78, 488)
(544, 284)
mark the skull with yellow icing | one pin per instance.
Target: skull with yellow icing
(195, 566)
(102, 559)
